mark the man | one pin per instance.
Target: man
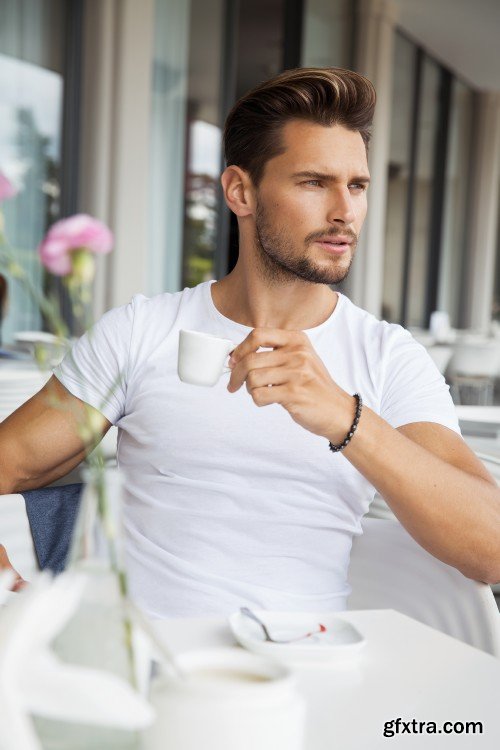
(230, 504)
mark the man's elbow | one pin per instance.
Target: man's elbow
(485, 572)
(7, 463)
(9, 474)
(7, 486)
(492, 578)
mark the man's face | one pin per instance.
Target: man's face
(311, 204)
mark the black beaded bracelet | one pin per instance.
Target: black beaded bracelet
(348, 437)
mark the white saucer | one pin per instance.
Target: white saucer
(339, 642)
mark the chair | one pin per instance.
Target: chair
(36, 527)
(52, 513)
(472, 369)
(390, 570)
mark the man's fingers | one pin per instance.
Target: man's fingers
(265, 396)
(19, 583)
(266, 337)
(266, 376)
(254, 361)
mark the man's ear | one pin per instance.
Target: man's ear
(238, 190)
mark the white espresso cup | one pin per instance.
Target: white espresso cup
(228, 699)
(202, 357)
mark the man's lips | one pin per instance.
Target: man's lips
(338, 244)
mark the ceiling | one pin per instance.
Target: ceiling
(462, 34)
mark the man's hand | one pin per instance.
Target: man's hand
(299, 379)
(5, 563)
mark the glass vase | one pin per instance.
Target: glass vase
(99, 634)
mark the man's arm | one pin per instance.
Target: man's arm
(436, 487)
(42, 440)
(429, 477)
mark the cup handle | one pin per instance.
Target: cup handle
(227, 369)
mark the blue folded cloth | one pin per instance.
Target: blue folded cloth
(52, 513)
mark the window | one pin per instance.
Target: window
(496, 293)
(327, 33)
(203, 141)
(455, 224)
(186, 142)
(426, 226)
(32, 49)
(398, 179)
(414, 304)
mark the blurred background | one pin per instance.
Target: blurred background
(115, 108)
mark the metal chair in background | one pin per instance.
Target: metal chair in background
(472, 370)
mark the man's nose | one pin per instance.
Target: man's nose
(341, 208)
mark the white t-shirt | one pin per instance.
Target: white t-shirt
(228, 504)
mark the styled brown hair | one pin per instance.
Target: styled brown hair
(326, 96)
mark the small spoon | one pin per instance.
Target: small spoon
(248, 613)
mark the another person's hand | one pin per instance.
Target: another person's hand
(5, 563)
(299, 379)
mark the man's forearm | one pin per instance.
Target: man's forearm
(452, 513)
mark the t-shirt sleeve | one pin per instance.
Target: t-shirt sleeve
(413, 389)
(96, 368)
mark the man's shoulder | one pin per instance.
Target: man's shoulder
(370, 323)
(159, 305)
(168, 299)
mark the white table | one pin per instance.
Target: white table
(479, 420)
(406, 670)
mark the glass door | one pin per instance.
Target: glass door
(32, 35)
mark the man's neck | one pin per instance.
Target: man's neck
(248, 298)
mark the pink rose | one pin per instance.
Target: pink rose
(80, 232)
(7, 189)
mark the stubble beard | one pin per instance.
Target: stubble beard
(280, 265)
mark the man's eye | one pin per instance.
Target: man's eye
(312, 182)
(358, 186)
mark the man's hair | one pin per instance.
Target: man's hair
(326, 96)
